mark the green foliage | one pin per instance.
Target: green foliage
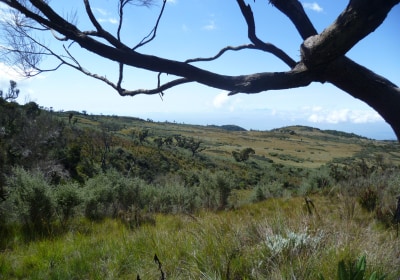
(189, 143)
(94, 171)
(68, 197)
(32, 198)
(100, 197)
(258, 194)
(243, 155)
(224, 189)
(355, 271)
(268, 240)
(12, 92)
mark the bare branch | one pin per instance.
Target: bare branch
(267, 47)
(153, 32)
(122, 3)
(158, 90)
(221, 52)
(100, 31)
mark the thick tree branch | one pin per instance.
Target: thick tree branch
(294, 10)
(360, 18)
(373, 89)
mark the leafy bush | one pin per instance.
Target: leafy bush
(243, 155)
(68, 198)
(33, 199)
(214, 189)
(100, 197)
(258, 194)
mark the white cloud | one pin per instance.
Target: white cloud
(220, 99)
(171, 1)
(320, 115)
(314, 6)
(108, 20)
(105, 16)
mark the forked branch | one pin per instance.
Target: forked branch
(267, 47)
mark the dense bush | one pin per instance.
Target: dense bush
(32, 198)
(100, 196)
(68, 197)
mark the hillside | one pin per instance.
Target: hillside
(213, 202)
(294, 145)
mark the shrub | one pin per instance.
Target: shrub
(258, 194)
(67, 199)
(243, 155)
(293, 244)
(33, 200)
(368, 199)
(349, 270)
(224, 190)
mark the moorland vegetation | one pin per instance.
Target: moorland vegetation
(97, 197)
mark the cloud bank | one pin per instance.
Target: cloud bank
(344, 115)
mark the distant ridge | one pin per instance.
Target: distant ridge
(299, 128)
(228, 127)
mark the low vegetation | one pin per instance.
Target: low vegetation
(104, 197)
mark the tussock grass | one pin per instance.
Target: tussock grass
(274, 239)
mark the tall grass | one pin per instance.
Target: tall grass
(274, 239)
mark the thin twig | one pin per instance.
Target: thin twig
(221, 52)
(153, 32)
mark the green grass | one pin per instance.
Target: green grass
(274, 239)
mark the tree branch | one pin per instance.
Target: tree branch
(375, 90)
(100, 31)
(221, 52)
(352, 25)
(294, 10)
(158, 90)
(267, 47)
(153, 32)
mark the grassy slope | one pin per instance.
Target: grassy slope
(247, 243)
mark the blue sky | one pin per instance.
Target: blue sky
(200, 28)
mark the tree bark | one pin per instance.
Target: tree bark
(378, 92)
